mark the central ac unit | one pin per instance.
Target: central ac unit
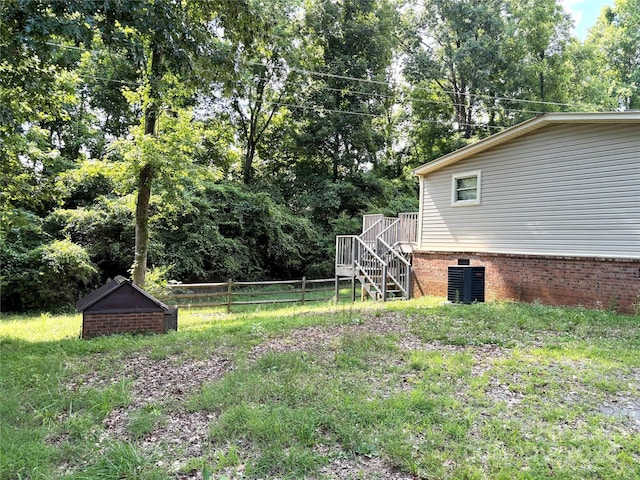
(465, 284)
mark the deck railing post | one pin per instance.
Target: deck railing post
(353, 252)
(384, 283)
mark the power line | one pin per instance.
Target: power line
(450, 92)
(321, 109)
(393, 85)
(318, 109)
(416, 99)
(124, 82)
(401, 101)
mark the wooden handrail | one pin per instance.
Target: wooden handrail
(373, 254)
(398, 269)
(379, 267)
(345, 250)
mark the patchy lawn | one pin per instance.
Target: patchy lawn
(396, 391)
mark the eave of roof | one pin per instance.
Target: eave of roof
(522, 129)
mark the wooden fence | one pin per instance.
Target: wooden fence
(229, 293)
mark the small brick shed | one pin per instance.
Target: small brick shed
(119, 306)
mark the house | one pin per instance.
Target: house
(119, 306)
(550, 208)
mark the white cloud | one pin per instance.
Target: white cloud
(574, 8)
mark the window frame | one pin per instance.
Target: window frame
(455, 202)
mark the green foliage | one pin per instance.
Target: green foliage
(38, 272)
(352, 39)
(170, 153)
(229, 232)
(157, 279)
(88, 181)
(459, 55)
(615, 43)
(104, 229)
(537, 51)
(65, 260)
(29, 165)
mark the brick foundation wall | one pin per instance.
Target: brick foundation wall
(590, 282)
(96, 324)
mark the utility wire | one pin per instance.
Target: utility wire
(364, 114)
(451, 92)
(411, 98)
(394, 85)
(400, 101)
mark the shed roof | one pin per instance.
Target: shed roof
(109, 288)
(524, 128)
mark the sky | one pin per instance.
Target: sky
(584, 13)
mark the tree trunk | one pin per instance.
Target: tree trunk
(142, 225)
(336, 156)
(146, 177)
(541, 85)
(247, 169)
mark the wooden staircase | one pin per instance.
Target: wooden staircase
(380, 257)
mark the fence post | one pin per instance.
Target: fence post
(229, 288)
(304, 286)
(353, 287)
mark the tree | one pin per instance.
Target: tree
(163, 37)
(260, 74)
(453, 44)
(42, 119)
(354, 40)
(615, 40)
(542, 61)
(539, 32)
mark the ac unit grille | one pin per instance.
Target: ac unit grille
(465, 284)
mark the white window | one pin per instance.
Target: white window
(465, 188)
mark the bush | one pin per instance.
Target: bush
(228, 231)
(41, 276)
(65, 274)
(105, 229)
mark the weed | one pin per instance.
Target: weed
(122, 460)
(144, 420)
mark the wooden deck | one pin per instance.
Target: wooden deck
(380, 257)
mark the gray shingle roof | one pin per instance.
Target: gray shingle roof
(110, 287)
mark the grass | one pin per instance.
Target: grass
(407, 389)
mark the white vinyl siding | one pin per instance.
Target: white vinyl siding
(571, 190)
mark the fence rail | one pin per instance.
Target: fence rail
(230, 293)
